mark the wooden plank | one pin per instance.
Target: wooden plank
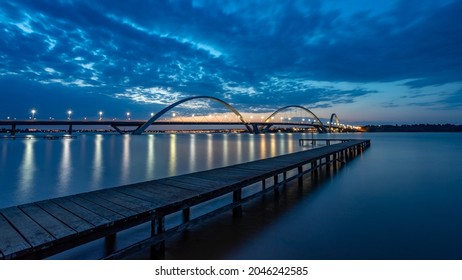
(160, 199)
(189, 183)
(127, 201)
(34, 234)
(158, 193)
(217, 178)
(108, 204)
(54, 226)
(76, 223)
(11, 242)
(230, 171)
(174, 191)
(95, 208)
(87, 215)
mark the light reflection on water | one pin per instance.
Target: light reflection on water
(65, 168)
(398, 200)
(42, 169)
(27, 170)
(97, 160)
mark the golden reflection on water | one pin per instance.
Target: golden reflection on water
(150, 160)
(263, 144)
(172, 158)
(209, 151)
(192, 152)
(225, 149)
(125, 170)
(251, 147)
(290, 142)
(273, 150)
(41, 167)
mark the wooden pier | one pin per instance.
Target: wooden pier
(44, 228)
(313, 141)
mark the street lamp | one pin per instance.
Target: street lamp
(128, 115)
(33, 111)
(152, 115)
(100, 115)
(69, 113)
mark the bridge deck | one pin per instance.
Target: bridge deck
(44, 228)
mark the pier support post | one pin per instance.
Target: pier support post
(237, 195)
(109, 244)
(300, 176)
(13, 130)
(263, 184)
(70, 129)
(186, 215)
(314, 168)
(276, 185)
(328, 164)
(158, 227)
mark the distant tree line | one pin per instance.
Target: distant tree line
(414, 128)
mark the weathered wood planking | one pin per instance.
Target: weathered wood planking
(11, 242)
(43, 228)
(34, 234)
(73, 221)
(54, 226)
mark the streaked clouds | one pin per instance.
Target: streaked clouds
(387, 57)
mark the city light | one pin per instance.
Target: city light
(128, 115)
(69, 113)
(33, 111)
(100, 115)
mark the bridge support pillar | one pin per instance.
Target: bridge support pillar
(13, 130)
(117, 129)
(70, 129)
(255, 129)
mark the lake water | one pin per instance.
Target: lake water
(401, 199)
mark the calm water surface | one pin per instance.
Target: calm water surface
(401, 199)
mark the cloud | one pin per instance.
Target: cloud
(257, 55)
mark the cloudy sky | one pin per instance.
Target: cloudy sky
(368, 61)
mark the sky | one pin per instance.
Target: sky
(379, 62)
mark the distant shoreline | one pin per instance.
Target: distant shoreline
(414, 128)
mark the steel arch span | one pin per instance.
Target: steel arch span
(321, 127)
(143, 127)
(332, 117)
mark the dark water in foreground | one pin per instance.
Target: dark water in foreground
(400, 200)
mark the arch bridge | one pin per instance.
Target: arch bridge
(262, 126)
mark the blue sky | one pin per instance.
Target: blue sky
(368, 61)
